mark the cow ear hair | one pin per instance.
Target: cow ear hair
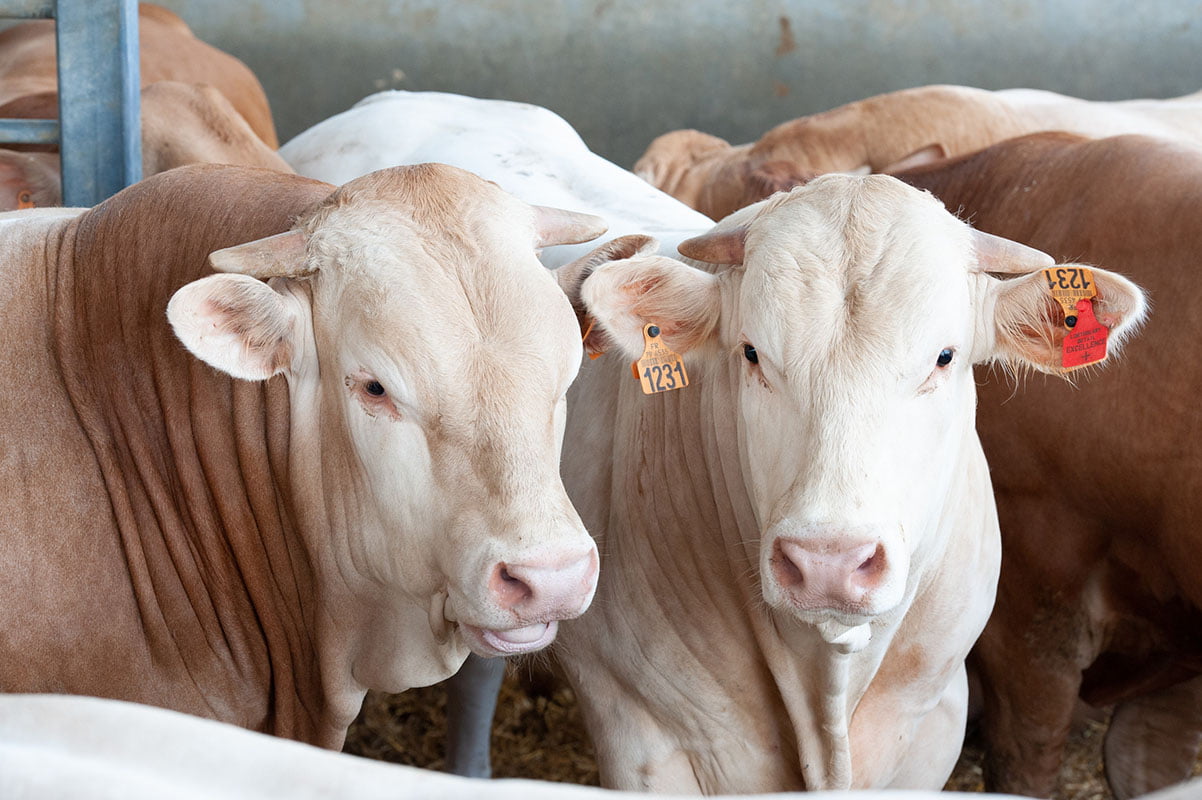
(571, 279)
(1029, 325)
(625, 295)
(238, 324)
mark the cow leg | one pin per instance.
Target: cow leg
(1029, 699)
(1153, 740)
(471, 704)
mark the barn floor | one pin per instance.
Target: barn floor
(537, 733)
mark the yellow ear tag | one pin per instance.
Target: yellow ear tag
(1068, 285)
(659, 370)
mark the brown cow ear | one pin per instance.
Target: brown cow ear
(238, 324)
(1029, 327)
(623, 296)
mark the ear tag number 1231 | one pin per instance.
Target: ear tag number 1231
(660, 369)
(1074, 289)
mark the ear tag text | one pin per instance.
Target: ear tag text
(1068, 285)
(660, 369)
(1074, 289)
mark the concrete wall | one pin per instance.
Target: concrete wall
(623, 71)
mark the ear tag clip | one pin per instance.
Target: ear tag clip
(660, 369)
(1074, 289)
(25, 199)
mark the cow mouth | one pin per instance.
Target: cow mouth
(514, 641)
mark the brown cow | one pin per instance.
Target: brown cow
(169, 52)
(198, 105)
(888, 132)
(181, 124)
(1098, 491)
(263, 551)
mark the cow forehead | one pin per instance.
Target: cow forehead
(435, 267)
(850, 259)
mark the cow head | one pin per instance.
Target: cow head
(427, 354)
(845, 328)
(681, 162)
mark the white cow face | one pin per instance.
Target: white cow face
(428, 354)
(846, 336)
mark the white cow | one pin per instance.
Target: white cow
(800, 547)
(60, 747)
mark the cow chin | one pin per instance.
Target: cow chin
(488, 642)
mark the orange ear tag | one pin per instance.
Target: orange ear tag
(660, 369)
(1074, 289)
(25, 200)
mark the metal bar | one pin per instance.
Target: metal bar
(29, 131)
(30, 9)
(98, 98)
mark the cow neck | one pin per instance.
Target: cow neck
(195, 464)
(681, 545)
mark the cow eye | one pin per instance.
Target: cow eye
(374, 388)
(945, 357)
(750, 354)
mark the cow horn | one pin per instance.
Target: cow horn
(556, 226)
(279, 256)
(716, 247)
(1006, 257)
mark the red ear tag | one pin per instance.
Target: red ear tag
(660, 369)
(1086, 343)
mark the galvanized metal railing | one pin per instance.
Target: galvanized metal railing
(99, 124)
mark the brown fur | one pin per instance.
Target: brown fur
(164, 566)
(874, 133)
(169, 52)
(1101, 589)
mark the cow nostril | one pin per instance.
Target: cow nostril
(508, 589)
(874, 563)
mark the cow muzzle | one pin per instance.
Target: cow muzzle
(824, 573)
(532, 595)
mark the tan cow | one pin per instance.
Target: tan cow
(799, 547)
(169, 52)
(888, 132)
(181, 124)
(376, 498)
(1098, 488)
(198, 105)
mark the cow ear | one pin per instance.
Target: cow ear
(625, 295)
(238, 324)
(1029, 325)
(771, 177)
(919, 158)
(571, 279)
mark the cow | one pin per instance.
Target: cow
(181, 124)
(1101, 591)
(800, 546)
(198, 105)
(329, 467)
(889, 132)
(58, 747)
(169, 51)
